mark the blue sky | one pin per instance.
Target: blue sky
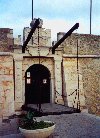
(58, 15)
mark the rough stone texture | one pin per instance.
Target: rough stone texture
(35, 51)
(71, 82)
(89, 70)
(18, 82)
(17, 41)
(64, 77)
(91, 83)
(44, 37)
(47, 62)
(88, 44)
(6, 85)
(6, 40)
(58, 80)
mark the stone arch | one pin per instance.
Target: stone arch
(37, 84)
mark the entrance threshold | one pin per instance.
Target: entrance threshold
(50, 109)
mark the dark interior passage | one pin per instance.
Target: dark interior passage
(37, 84)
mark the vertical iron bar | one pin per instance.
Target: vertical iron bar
(39, 78)
(14, 77)
(78, 103)
(32, 19)
(90, 14)
(32, 9)
(77, 55)
(78, 69)
(38, 45)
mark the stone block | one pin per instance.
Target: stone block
(18, 105)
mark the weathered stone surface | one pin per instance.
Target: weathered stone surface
(6, 85)
(87, 44)
(63, 71)
(91, 77)
(71, 85)
(6, 40)
(44, 37)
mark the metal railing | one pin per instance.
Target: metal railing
(76, 100)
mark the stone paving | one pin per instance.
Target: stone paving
(77, 125)
(51, 108)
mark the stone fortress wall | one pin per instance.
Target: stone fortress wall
(44, 37)
(6, 85)
(89, 70)
(63, 68)
(6, 40)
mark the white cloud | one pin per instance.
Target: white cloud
(58, 25)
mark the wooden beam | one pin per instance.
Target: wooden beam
(37, 22)
(64, 37)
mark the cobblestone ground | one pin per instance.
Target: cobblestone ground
(77, 125)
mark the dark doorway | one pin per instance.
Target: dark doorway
(37, 84)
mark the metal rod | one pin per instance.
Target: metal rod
(78, 87)
(38, 45)
(64, 37)
(14, 76)
(32, 9)
(39, 72)
(77, 70)
(90, 15)
(77, 55)
(39, 94)
(32, 19)
(30, 35)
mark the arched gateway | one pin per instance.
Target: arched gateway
(37, 84)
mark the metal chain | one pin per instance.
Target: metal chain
(64, 95)
(38, 46)
(78, 87)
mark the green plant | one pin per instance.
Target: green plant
(30, 123)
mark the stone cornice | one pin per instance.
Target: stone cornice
(6, 54)
(81, 56)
